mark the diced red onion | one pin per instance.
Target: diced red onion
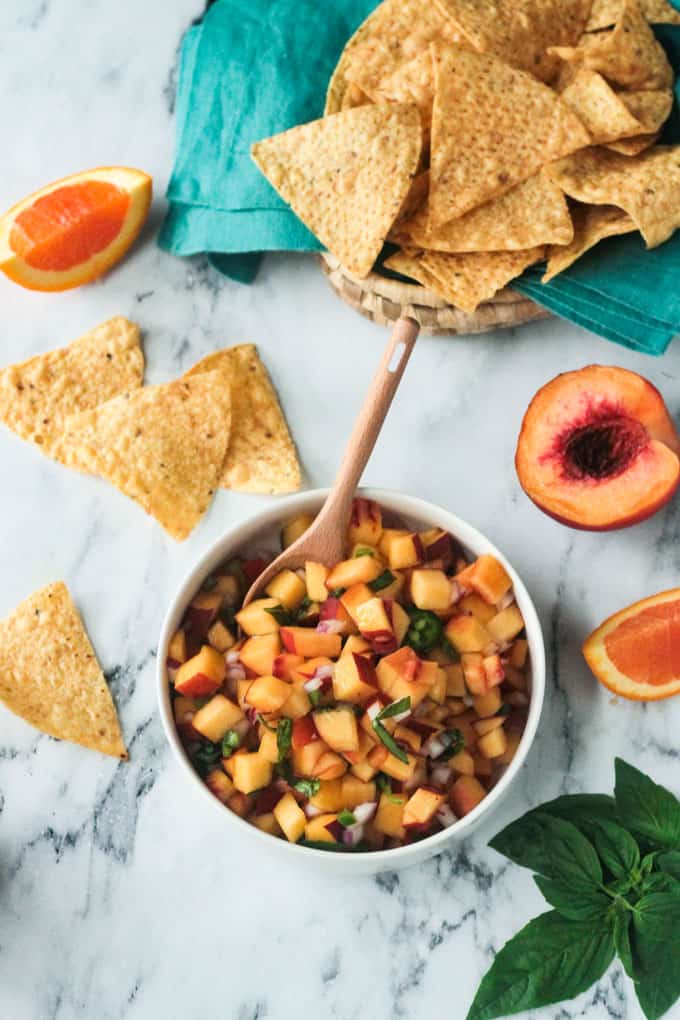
(251, 716)
(313, 685)
(353, 834)
(232, 657)
(311, 811)
(441, 774)
(364, 812)
(330, 627)
(506, 601)
(236, 673)
(435, 745)
(445, 816)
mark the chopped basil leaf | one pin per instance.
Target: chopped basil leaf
(396, 708)
(383, 581)
(206, 755)
(267, 726)
(303, 607)
(504, 710)
(285, 771)
(385, 786)
(308, 787)
(337, 593)
(315, 697)
(230, 741)
(280, 614)
(388, 740)
(346, 818)
(364, 550)
(284, 736)
(209, 582)
(449, 650)
(455, 747)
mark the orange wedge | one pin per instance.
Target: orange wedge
(636, 652)
(74, 230)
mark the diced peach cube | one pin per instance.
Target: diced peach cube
(297, 704)
(220, 784)
(513, 738)
(438, 689)
(258, 653)
(516, 679)
(405, 551)
(284, 665)
(255, 620)
(306, 757)
(303, 641)
(388, 536)
(220, 637)
(177, 649)
(455, 681)
(315, 577)
(467, 634)
(430, 589)
(329, 796)
(354, 792)
(466, 793)
(463, 763)
(290, 817)
(330, 766)
(360, 570)
(268, 693)
(354, 679)
(295, 528)
(399, 618)
(389, 816)
(473, 671)
(287, 588)
(251, 772)
(364, 770)
(493, 744)
(477, 607)
(320, 829)
(493, 670)
(489, 578)
(216, 717)
(366, 522)
(506, 625)
(483, 726)
(421, 807)
(486, 705)
(518, 654)
(267, 823)
(355, 597)
(203, 674)
(268, 748)
(338, 728)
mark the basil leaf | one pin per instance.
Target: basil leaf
(455, 747)
(552, 847)
(384, 581)
(284, 737)
(621, 919)
(549, 960)
(660, 882)
(268, 726)
(574, 900)
(618, 850)
(281, 615)
(396, 708)
(390, 743)
(656, 951)
(384, 784)
(346, 818)
(646, 808)
(307, 787)
(333, 848)
(581, 809)
(315, 697)
(670, 863)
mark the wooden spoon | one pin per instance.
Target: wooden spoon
(324, 540)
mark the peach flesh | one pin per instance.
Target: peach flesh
(598, 449)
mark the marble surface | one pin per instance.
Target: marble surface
(122, 897)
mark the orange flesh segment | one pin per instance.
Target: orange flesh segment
(69, 225)
(646, 647)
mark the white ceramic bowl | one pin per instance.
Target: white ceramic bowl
(262, 532)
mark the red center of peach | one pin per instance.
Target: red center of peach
(602, 448)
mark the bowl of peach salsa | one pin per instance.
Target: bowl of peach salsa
(370, 708)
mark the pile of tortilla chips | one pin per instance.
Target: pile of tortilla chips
(49, 674)
(168, 447)
(483, 137)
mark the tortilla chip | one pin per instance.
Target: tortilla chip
(411, 83)
(346, 176)
(37, 395)
(49, 674)
(468, 280)
(532, 213)
(409, 264)
(647, 187)
(591, 225)
(520, 31)
(607, 12)
(353, 97)
(633, 146)
(395, 33)
(651, 108)
(604, 114)
(629, 55)
(163, 446)
(261, 455)
(492, 127)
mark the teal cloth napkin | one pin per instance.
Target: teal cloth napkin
(252, 69)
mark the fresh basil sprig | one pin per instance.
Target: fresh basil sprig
(610, 868)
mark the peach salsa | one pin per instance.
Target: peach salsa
(360, 705)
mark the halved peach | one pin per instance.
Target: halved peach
(598, 449)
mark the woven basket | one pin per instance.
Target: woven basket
(384, 301)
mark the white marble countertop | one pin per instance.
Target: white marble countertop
(121, 896)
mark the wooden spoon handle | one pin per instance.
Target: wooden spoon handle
(371, 417)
